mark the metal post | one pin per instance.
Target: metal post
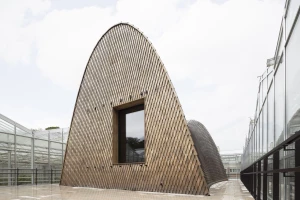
(276, 176)
(258, 181)
(15, 150)
(9, 166)
(48, 149)
(8, 161)
(32, 157)
(297, 174)
(265, 181)
(36, 177)
(47, 175)
(254, 181)
(15, 146)
(17, 176)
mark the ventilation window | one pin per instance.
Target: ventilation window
(129, 133)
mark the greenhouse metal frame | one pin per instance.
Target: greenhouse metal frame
(30, 156)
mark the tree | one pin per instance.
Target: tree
(52, 127)
(135, 143)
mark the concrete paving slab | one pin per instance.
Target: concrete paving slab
(227, 190)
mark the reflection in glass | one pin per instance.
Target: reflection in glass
(293, 81)
(261, 98)
(281, 178)
(265, 86)
(281, 187)
(271, 118)
(135, 141)
(251, 149)
(265, 128)
(260, 135)
(254, 144)
(270, 185)
(270, 76)
(280, 117)
(261, 180)
(279, 104)
(270, 177)
(289, 161)
(290, 188)
(291, 14)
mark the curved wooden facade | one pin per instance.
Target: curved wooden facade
(208, 153)
(123, 68)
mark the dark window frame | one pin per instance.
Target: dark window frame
(122, 131)
(118, 117)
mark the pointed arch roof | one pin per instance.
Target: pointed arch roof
(125, 68)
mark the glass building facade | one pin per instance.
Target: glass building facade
(27, 156)
(271, 144)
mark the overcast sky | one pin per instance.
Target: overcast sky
(213, 51)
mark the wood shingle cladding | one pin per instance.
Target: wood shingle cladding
(208, 153)
(123, 68)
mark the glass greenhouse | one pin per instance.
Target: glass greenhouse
(28, 156)
(270, 163)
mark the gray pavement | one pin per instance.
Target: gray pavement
(227, 190)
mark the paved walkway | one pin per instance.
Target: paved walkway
(227, 190)
(230, 190)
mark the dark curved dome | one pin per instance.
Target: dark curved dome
(208, 154)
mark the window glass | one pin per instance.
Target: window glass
(251, 149)
(289, 162)
(290, 188)
(271, 118)
(270, 186)
(260, 96)
(257, 108)
(270, 177)
(281, 46)
(135, 141)
(256, 141)
(265, 88)
(261, 186)
(265, 128)
(254, 144)
(260, 135)
(131, 141)
(270, 76)
(279, 104)
(293, 82)
(281, 187)
(291, 14)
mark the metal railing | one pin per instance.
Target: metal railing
(255, 176)
(22, 176)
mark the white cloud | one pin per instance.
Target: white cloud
(213, 52)
(65, 40)
(151, 17)
(16, 35)
(221, 49)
